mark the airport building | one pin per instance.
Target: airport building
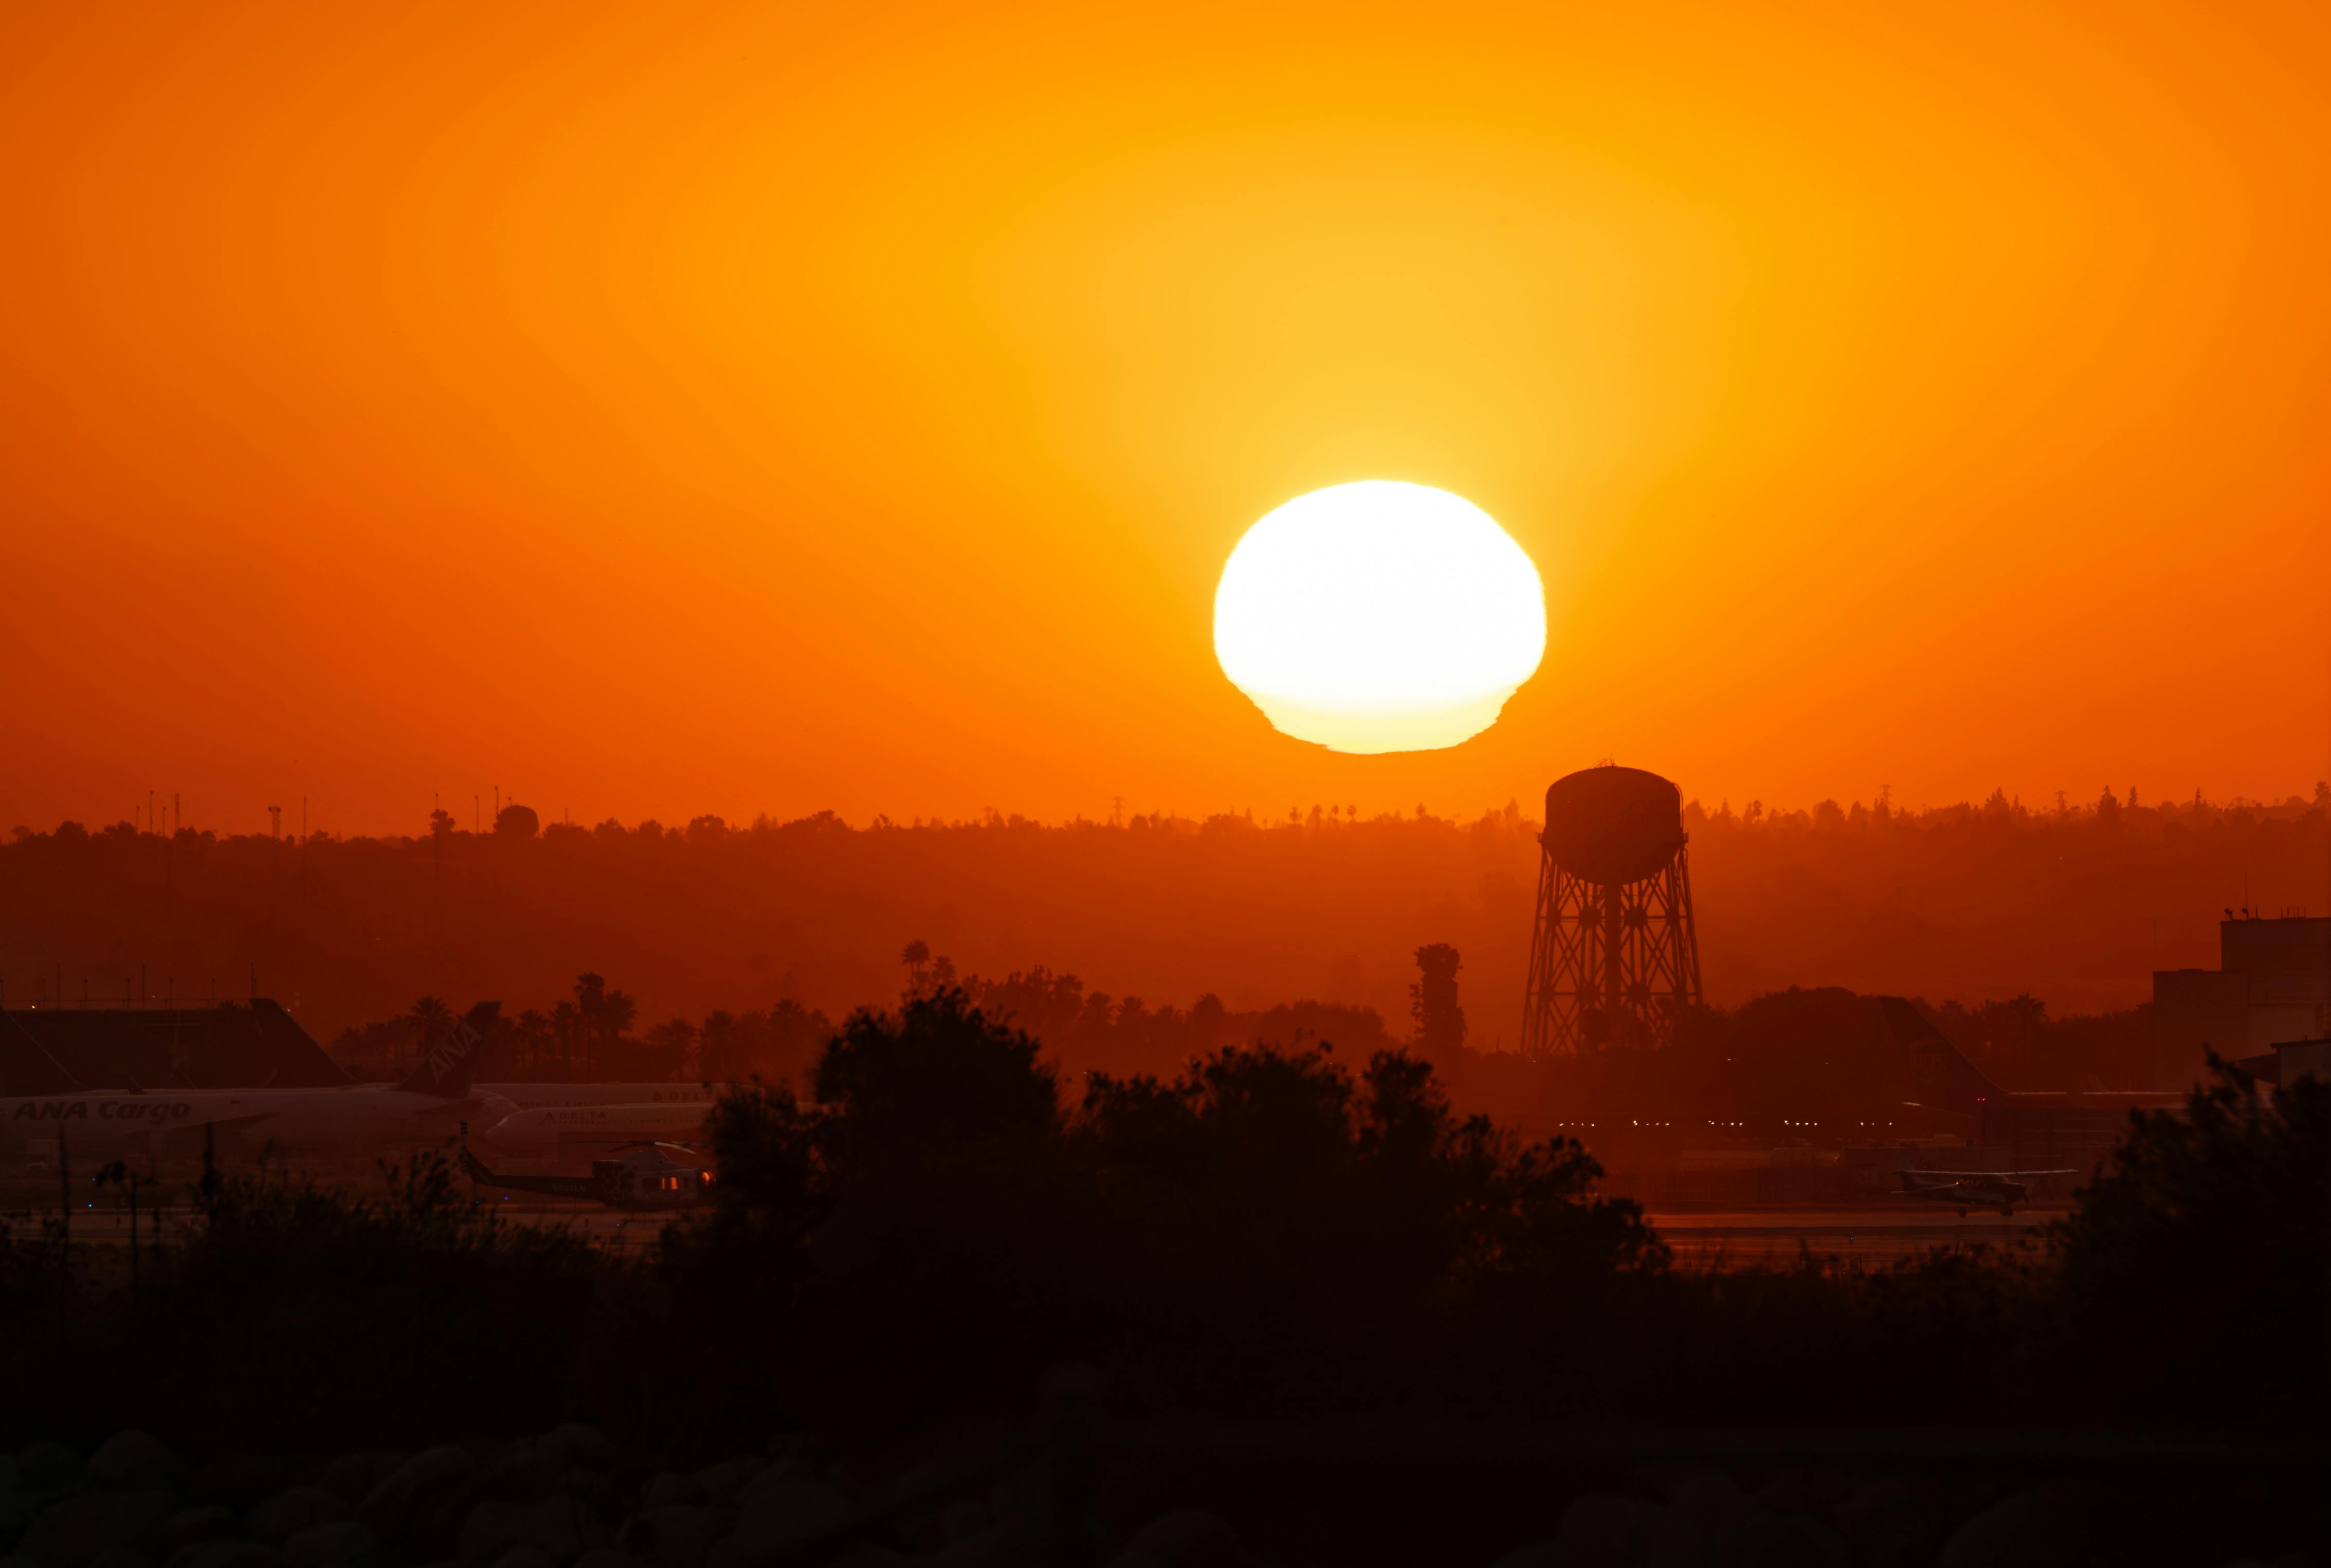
(2272, 984)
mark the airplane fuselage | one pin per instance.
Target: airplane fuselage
(323, 1120)
(1965, 1195)
(526, 1096)
(543, 1130)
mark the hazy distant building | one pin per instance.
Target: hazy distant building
(2272, 984)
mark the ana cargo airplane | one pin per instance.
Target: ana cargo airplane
(428, 1107)
(643, 1176)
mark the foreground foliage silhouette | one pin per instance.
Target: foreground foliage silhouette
(282, 1310)
(1268, 1232)
(2204, 1246)
(1265, 1231)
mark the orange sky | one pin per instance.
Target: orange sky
(658, 411)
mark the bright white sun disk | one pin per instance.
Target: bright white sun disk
(1379, 616)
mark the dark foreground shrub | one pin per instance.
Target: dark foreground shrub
(1267, 1231)
(292, 1313)
(1271, 1232)
(2202, 1255)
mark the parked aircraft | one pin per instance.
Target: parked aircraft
(643, 1176)
(1976, 1189)
(527, 1095)
(427, 1107)
(1945, 1080)
(551, 1132)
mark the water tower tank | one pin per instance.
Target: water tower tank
(1608, 825)
(1615, 956)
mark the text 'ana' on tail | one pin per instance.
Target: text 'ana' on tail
(453, 1062)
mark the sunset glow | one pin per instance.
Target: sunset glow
(1379, 616)
(771, 409)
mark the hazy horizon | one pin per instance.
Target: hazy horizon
(254, 821)
(774, 412)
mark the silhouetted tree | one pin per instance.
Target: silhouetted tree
(430, 1018)
(536, 1040)
(568, 1033)
(604, 1016)
(1432, 1002)
(2204, 1244)
(670, 1047)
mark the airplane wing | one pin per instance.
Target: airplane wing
(1984, 1175)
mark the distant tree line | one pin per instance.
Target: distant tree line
(1801, 1065)
(2072, 904)
(591, 1039)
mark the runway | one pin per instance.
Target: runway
(1873, 1235)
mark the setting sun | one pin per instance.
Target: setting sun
(1379, 616)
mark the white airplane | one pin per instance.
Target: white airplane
(1976, 1189)
(560, 1132)
(428, 1107)
(527, 1095)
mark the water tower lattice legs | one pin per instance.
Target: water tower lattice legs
(1610, 964)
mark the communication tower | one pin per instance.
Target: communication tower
(1614, 959)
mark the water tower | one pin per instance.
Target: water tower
(1615, 959)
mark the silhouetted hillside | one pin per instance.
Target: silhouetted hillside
(2072, 905)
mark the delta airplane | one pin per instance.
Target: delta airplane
(427, 1107)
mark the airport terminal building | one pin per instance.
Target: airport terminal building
(2272, 984)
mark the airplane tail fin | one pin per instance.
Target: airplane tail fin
(448, 1069)
(1942, 1078)
(26, 1067)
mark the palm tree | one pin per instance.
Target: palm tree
(616, 1010)
(670, 1044)
(432, 1017)
(534, 1037)
(567, 1028)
